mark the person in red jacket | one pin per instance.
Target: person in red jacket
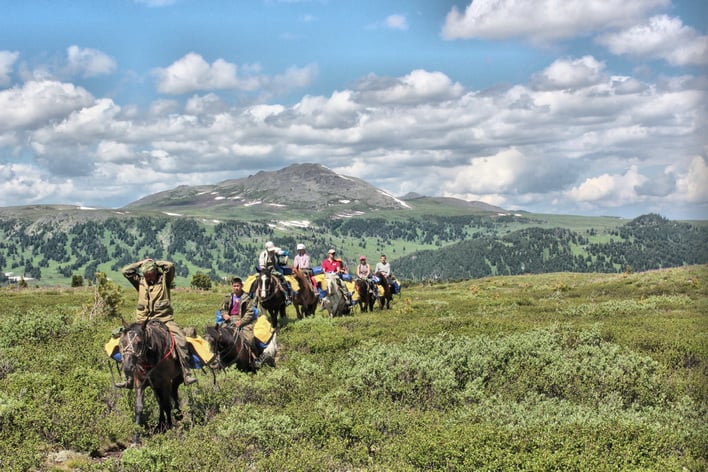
(332, 264)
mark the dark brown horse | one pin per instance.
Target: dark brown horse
(149, 357)
(367, 296)
(229, 347)
(387, 296)
(306, 298)
(271, 295)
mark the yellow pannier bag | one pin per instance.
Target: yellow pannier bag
(111, 346)
(201, 348)
(263, 330)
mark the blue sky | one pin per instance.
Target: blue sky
(593, 107)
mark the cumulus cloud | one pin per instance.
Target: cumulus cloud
(192, 73)
(693, 183)
(415, 87)
(662, 37)
(38, 102)
(515, 146)
(510, 171)
(609, 190)
(396, 22)
(7, 61)
(573, 73)
(86, 62)
(543, 20)
(26, 183)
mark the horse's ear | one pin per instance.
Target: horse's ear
(125, 324)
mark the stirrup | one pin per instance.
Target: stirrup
(189, 379)
(123, 384)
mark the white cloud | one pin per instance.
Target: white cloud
(25, 183)
(397, 22)
(37, 102)
(192, 73)
(574, 74)
(608, 190)
(661, 38)
(693, 184)
(416, 87)
(7, 61)
(525, 145)
(86, 62)
(543, 20)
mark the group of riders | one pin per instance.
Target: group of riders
(153, 279)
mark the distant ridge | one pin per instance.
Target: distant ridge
(414, 197)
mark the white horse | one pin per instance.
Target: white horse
(335, 302)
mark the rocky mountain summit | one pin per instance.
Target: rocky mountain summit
(311, 187)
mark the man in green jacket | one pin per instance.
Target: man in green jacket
(153, 279)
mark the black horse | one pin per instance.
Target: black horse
(228, 344)
(271, 295)
(231, 348)
(387, 296)
(365, 288)
(150, 359)
(306, 298)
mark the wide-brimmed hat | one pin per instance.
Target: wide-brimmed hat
(300, 246)
(270, 246)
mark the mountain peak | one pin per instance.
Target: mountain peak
(304, 187)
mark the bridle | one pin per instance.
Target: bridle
(222, 352)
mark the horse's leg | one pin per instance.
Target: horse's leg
(139, 390)
(175, 400)
(162, 394)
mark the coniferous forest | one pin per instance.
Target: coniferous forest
(434, 248)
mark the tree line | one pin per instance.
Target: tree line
(461, 247)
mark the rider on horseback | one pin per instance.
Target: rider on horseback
(238, 312)
(302, 261)
(332, 264)
(153, 279)
(269, 259)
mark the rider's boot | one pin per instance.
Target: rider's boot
(288, 294)
(188, 377)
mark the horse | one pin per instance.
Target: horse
(229, 347)
(334, 302)
(306, 298)
(271, 295)
(385, 299)
(149, 357)
(365, 289)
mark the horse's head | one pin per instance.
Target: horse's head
(132, 347)
(221, 341)
(212, 335)
(361, 285)
(264, 282)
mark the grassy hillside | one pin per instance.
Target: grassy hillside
(561, 371)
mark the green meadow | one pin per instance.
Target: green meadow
(562, 371)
